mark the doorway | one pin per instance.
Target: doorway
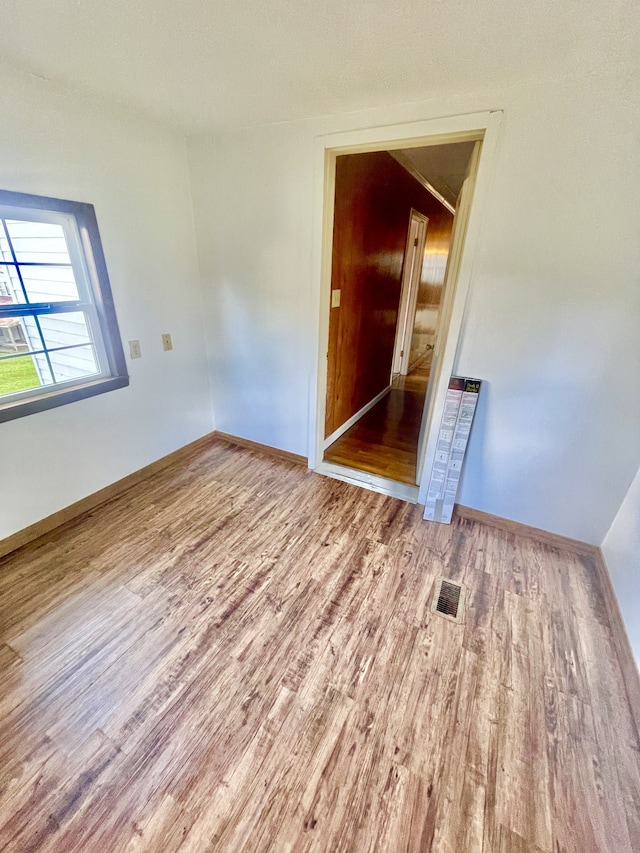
(391, 235)
(358, 349)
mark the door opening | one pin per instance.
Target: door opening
(391, 310)
(391, 241)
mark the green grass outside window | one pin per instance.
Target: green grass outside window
(17, 374)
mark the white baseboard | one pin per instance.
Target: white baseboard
(335, 435)
(369, 481)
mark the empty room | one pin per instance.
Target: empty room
(260, 590)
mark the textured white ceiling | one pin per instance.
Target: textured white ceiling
(207, 64)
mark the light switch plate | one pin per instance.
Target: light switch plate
(134, 349)
(335, 298)
(166, 342)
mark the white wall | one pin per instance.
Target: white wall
(621, 549)
(252, 197)
(553, 314)
(135, 173)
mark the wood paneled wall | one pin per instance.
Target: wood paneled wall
(373, 201)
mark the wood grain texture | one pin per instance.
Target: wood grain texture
(183, 454)
(385, 440)
(431, 284)
(621, 641)
(69, 513)
(238, 655)
(262, 448)
(373, 200)
(519, 529)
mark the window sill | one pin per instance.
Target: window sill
(21, 408)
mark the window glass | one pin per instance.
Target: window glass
(11, 291)
(20, 335)
(75, 363)
(43, 283)
(36, 242)
(21, 373)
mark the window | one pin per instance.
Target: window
(59, 338)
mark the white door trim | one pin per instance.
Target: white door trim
(373, 482)
(456, 245)
(484, 125)
(460, 286)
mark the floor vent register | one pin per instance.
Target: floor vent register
(448, 600)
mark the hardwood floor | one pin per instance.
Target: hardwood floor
(239, 655)
(385, 440)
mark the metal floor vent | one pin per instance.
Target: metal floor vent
(448, 600)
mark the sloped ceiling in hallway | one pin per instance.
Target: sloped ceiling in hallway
(443, 166)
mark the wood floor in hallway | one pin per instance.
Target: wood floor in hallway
(385, 440)
(239, 655)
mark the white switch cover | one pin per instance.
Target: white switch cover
(134, 349)
(335, 298)
(166, 342)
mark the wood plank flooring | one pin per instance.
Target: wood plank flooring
(239, 655)
(385, 440)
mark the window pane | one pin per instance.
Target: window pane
(49, 284)
(39, 242)
(5, 251)
(11, 292)
(65, 329)
(19, 335)
(22, 373)
(73, 363)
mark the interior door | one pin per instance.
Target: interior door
(414, 256)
